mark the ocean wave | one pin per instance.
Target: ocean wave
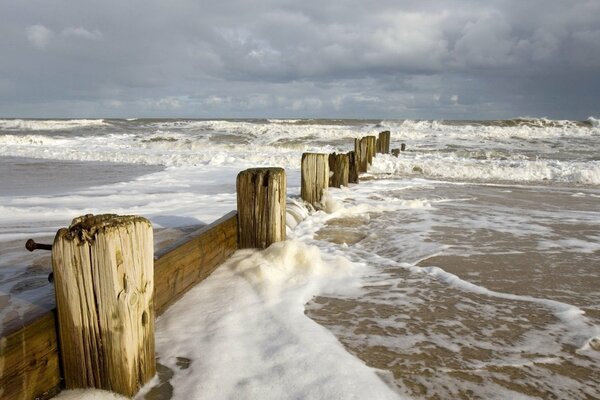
(594, 122)
(519, 128)
(451, 167)
(48, 125)
(29, 140)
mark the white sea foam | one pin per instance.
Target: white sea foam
(581, 329)
(48, 125)
(246, 334)
(89, 394)
(452, 167)
(527, 129)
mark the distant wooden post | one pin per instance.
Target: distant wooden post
(403, 147)
(261, 194)
(383, 142)
(352, 167)
(104, 279)
(360, 148)
(339, 168)
(371, 148)
(314, 177)
(395, 152)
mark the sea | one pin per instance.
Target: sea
(468, 267)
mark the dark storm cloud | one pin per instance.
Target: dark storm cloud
(392, 59)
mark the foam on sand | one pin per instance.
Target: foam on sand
(246, 334)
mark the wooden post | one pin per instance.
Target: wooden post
(104, 279)
(371, 148)
(360, 148)
(339, 167)
(403, 147)
(261, 194)
(314, 177)
(395, 152)
(352, 167)
(383, 142)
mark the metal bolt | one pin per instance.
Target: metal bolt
(31, 245)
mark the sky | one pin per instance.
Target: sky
(452, 59)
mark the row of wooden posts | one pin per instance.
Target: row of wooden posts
(109, 284)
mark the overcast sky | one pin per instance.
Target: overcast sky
(338, 59)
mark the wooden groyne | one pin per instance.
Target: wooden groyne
(110, 284)
(29, 357)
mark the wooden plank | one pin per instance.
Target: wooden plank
(187, 262)
(29, 359)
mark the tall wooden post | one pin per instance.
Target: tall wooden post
(383, 142)
(339, 168)
(261, 194)
(360, 148)
(104, 279)
(352, 167)
(371, 148)
(314, 177)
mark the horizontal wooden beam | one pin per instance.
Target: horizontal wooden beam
(190, 260)
(29, 361)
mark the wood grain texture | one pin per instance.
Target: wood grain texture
(314, 177)
(184, 264)
(261, 197)
(352, 167)
(362, 158)
(339, 168)
(104, 282)
(371, 148)
(29, 361)
(383, 142)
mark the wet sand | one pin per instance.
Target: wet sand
(435, 340)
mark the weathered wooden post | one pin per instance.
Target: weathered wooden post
(360, 148)
(339, 167)
(383, 142)
(395, 152)
(314, 177)
(371, 148)
(403, 147)
(352, 167)
(104, 279)
(261, 194)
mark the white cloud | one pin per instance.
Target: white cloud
(39, 35)
(82, 33)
